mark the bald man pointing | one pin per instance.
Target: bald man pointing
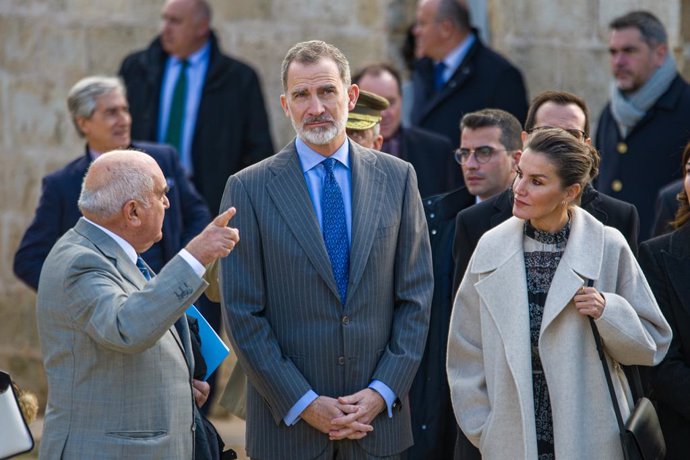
(115, 341)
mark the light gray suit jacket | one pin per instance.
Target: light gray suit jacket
(282, 307)
(119, 379)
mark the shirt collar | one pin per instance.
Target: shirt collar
(128, 248)
(309, 158)
(196, 57)
(455, 57)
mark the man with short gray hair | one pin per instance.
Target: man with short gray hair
(643, 129)
(116, 344)
(100, 113)
(330, 293)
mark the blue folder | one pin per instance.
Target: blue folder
(213, 349)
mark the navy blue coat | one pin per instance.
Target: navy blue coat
(483, 80)
(57, 212)
(649, 157)
(232, 129)
(433, 422)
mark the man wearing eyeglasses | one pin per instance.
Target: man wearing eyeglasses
(489, 149)
(549, 109)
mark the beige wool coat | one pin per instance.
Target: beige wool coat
(489, 365)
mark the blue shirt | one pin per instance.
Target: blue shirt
(455, 57)
(196, 74)
(314, 173)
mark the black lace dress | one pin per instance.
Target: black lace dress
(543, 252)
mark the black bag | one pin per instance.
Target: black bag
(641, 436)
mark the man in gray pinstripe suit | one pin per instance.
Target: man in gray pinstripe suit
(330, 339)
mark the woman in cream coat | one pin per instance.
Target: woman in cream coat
(491, 358)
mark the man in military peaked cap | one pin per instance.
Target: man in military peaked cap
(364, 121)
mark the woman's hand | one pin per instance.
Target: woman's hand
(589, 302)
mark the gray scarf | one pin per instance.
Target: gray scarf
(627, 110)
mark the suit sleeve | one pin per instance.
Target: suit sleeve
(510, 94)
(122, 322)
(465, 363)
(243, 293)
(670, 379)
(41, 235)
(463, 248)
(414, 286)
(632, 327)
(257, 141)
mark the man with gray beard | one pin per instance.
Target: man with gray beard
(331, 292)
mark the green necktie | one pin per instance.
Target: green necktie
(173, 135)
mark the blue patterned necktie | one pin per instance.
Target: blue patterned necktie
(143, 268)
(439, 79)
(335, 229)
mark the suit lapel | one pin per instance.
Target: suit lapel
(503, 207)
(368, 191)
(111, 250)
(289, 192)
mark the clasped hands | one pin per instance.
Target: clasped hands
(347, 417)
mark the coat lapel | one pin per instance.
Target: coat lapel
(289, 192)
(504, 293)
(368, 191)
(581, 261)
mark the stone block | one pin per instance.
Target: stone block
(38, 113)
(241, 10)
(371, 14)
(41, 46)
(107, 45)
(545, 19)
(667, 11)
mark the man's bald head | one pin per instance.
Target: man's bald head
(115, 178)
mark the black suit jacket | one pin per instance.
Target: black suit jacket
(652, 155)
(433, 422)
(431, 156)
(666, 207)
(57, 212)
(484, 79)
(232, 129)
(666, 264)
(472, 223)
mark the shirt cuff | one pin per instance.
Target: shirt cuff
(386, 393)
(293, 415)
(197, 266)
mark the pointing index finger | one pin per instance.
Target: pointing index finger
(223, 218)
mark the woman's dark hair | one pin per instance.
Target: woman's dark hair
(683, 213)
(576, 162)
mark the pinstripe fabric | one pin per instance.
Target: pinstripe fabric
(119, 378)
(281, 303)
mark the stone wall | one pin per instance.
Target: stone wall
(45, 46)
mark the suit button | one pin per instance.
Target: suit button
(433, 232)
(341, 360)
(432, 215)
(423, 427)
(346, 320)
(428, 201)
(622, 147)
(616, 185)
